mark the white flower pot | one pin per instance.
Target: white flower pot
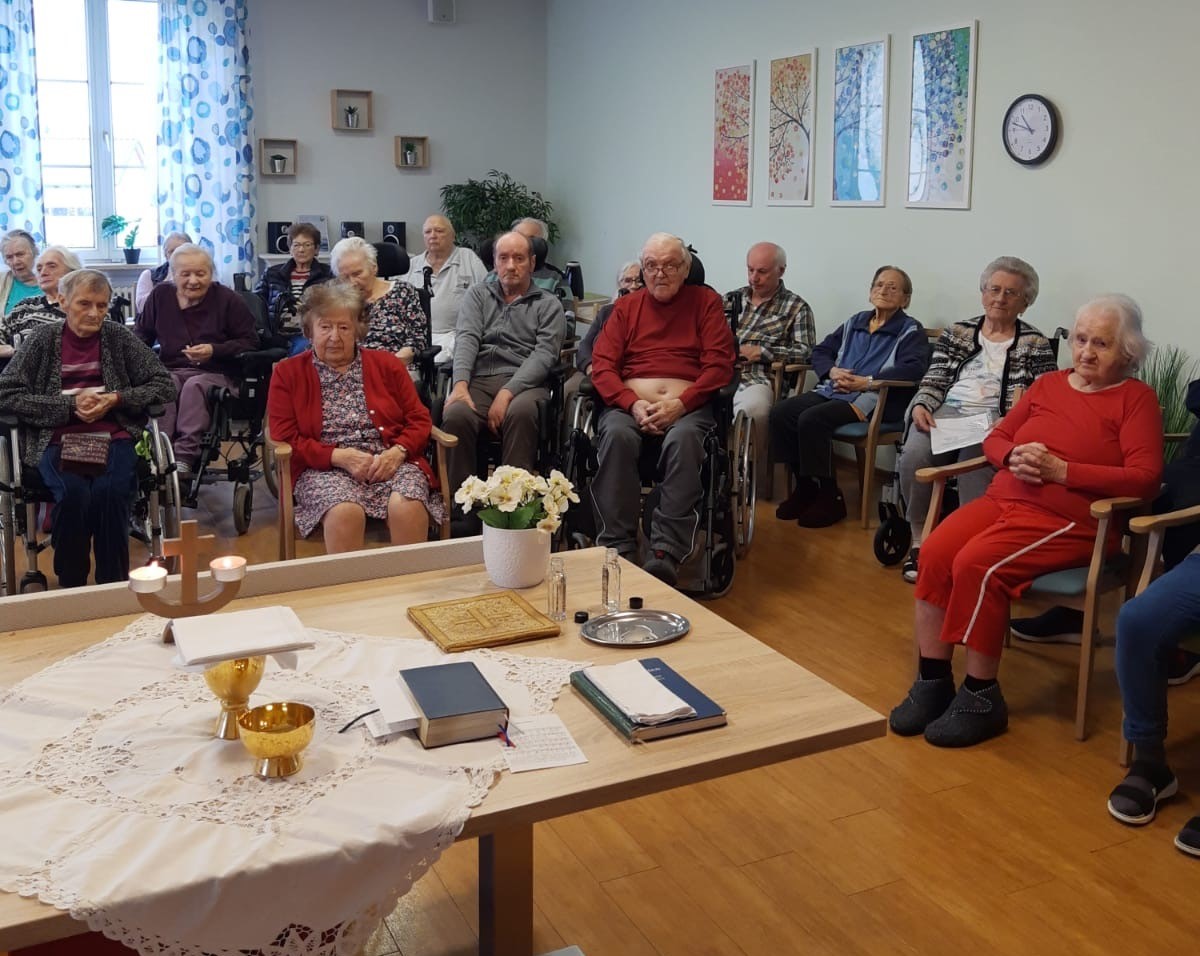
(515, 559)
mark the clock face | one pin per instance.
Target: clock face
(1030, 129)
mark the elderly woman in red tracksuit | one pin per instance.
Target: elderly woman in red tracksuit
(1092, 431)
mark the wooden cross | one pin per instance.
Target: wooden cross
(189, 547)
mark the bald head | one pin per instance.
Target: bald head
(438, 234)
(514, 263)
(765, 264)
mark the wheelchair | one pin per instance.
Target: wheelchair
(727, 501)
(154, 515)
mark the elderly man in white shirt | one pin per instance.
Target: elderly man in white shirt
(452, 270)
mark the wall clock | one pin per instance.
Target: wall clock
(1031, 129)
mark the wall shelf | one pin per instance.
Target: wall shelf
(361, 100)
(269, 151)
(414, 148)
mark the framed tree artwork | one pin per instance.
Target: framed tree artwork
(790, 130)
(860, 101)
(941, 106)
(733, 135)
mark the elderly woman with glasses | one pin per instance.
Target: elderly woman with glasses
(881, 342)
(54, 263)
(979, 367)
(281, 286)
(19, 249)
(395, 320)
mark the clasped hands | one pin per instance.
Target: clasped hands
(844, 380)
(90, 407)
(367, 468)
(196, 354)
(1033, 463)
(654, 418)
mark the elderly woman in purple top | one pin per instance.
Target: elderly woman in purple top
(200, 327)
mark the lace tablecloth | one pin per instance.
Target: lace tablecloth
(117, 804)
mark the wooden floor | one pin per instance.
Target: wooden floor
(887, 847)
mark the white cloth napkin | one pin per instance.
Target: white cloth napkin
(641, 698)
(221, 637)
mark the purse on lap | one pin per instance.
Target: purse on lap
(85, 453)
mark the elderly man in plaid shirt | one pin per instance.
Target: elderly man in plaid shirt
(772, 324)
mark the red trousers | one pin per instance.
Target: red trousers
(984, 555)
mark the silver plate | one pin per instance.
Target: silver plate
(635, 628)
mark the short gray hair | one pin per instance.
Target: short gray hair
(183, 237)
(70, 260)
(191, 249)
(658, 238)
(625, 267)
(352, 246)
(543, 229)
(82, 280)
(1133, 342)
(1018, 267)
(13, 235)
(326, 297)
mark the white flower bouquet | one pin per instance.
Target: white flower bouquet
(514, 498)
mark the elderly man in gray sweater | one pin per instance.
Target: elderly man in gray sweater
(508, 338)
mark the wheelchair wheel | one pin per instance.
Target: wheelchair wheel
(167, 517)
(33, 582)
(243, 506)
(744, 482)
(892, 538)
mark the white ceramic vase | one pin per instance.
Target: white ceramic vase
(515, 559)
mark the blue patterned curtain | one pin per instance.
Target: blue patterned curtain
(205, 157)
(20, 146)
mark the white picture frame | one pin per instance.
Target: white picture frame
(858, 148)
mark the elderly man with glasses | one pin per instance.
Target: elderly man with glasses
(664, 352)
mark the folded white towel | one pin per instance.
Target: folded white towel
(641, 698)
(221, 637)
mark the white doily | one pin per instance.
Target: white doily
(119, 806)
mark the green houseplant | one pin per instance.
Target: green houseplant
(114, 225)
(1168, 371)
(481, 208)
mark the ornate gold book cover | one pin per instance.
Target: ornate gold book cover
(489, 620)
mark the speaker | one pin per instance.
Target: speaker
(352, 228)
(441, 11)
(277, 240)
(396, 233)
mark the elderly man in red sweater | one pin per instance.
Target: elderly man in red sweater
(664, 352)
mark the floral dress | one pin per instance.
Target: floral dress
(397, 320)
(346, 424)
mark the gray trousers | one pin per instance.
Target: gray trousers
(518, 431)
(616, 489)
(917, 453)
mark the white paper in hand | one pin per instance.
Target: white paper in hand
(641, 698)
(221, 637)
(959, 431)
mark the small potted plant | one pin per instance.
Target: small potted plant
(114, 225)
(410, 154)
(351, 117)
(278, 164)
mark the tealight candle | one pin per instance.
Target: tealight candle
(148, 579)
(232, 567)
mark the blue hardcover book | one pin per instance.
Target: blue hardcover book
(708, 712)
(456, 703)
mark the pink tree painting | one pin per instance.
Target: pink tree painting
(733, 134)
(789, 152)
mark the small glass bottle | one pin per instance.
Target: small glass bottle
(556, 591)
(610, 581)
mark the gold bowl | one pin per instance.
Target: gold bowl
(233, 682)
(275, 734)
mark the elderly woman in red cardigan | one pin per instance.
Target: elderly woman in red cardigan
(356, 426)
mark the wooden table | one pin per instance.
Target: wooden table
(777, 710)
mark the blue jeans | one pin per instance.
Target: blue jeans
(91, 512)
(1149, 628)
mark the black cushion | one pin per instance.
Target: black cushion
(392, 259)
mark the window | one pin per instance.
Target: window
(97, 69)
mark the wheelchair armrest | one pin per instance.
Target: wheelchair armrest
(942, 472)
(587, 386)
(1144, 524)
(8, 420)
(261, 358)
(728, 390)
(156, 409)
(427, 355)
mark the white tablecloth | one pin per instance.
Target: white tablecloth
(117, 804)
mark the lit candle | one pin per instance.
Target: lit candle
(148, 579)
(229, 568)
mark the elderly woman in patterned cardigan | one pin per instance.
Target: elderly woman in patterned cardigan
(979, 366)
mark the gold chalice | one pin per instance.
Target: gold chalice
(275, 734)
(233, 682)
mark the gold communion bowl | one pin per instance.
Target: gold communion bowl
(275, 735)
(233, 682)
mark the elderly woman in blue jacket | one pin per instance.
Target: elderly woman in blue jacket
(882, 342)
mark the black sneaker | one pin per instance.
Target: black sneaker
(1189, 837)
(1182, 667)
(827, 508)
(908, 569)
(663, 566)
(1059, 625)
(971, 718)
(927, 700)
(794, 504)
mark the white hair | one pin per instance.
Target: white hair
(352, 246)
(1132, 341)
(191, 249)
(660, 238)
(543, 229)
(70, 260)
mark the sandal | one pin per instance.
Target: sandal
(1189, 837)
(909, 568)
(1144, 787)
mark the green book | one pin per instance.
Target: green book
(708, 712)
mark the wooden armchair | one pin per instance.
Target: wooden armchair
(1079, 587)
(282, 453)
(786, 377)
(868, 437)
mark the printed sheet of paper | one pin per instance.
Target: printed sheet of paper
(540, 742)
(961, 431)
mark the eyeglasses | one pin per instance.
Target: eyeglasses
(666, 268)
(302, 245)
(1003, 293)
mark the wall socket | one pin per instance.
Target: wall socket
(441, 11)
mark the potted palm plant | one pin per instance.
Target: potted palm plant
(480, 208)
(352, 117)
(114, 225)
